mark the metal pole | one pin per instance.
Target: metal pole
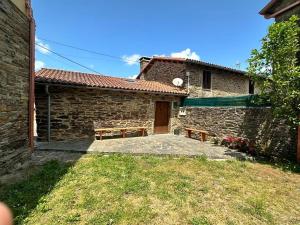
(49, 114)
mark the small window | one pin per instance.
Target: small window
(251, 87)
(175, 105)
(206, 83)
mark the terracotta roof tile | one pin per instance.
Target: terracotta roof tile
(54, 76)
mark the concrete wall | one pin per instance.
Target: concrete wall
(273, 137)
(224, 83)
(75, 112)
(14, 85)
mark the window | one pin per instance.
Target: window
(251, 87)
(175, 105)
(206, 83)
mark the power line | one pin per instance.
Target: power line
(87, 50)
(70, 60)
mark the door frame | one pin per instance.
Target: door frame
(169, 115)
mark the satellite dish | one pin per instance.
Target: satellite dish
(177, 82)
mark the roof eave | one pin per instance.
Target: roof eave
(267, 7)
(268, 15)
(109, 88)
(191, 61)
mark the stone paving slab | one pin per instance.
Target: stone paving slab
(164, 144)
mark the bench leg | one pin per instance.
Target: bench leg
(203, 137)
(100, 135)
(200, 137)
(189, 134)
(123, 133)
(143, 132)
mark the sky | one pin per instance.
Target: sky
(117, 33)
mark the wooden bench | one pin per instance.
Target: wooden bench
(101, 131)
(202, 133)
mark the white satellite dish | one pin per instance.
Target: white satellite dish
(177, 82)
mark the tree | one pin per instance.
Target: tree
(276, 71)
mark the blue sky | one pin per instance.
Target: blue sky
(216, 31)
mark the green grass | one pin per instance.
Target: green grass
(121, 189)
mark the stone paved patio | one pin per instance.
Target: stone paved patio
(165, 144)
(71, 151)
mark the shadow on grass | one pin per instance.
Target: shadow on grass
(286, 166)
(24, 196)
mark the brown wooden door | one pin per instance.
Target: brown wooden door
(162, 116)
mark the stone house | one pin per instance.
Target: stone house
(16, 82)
(71, 105)
(201, 79)
(281, 9)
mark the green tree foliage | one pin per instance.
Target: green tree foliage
(276, 71)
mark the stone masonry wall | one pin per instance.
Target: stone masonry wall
(223, 83)
(76, 112)
(273, 138)
(165, 72)
(14, 85)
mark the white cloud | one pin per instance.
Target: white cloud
(187, 54)
(131, 59)
(39, 65)
(44, 48)
(132, 76)
(163, 55)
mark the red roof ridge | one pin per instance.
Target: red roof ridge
(78, 72)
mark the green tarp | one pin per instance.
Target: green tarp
(239, 101)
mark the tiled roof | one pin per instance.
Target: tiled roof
(190, 61)
(62, 77)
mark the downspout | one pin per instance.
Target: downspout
(48, 113)
(32, 74)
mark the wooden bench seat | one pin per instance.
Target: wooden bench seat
(99, 132)
(202, 133)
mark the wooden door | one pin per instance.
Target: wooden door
(162, 116)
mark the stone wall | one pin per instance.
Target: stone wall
(14, 85)
(76, 112)
(273, 137)
(165, 72)
(224, 83)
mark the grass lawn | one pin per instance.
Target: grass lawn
(155, 190)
